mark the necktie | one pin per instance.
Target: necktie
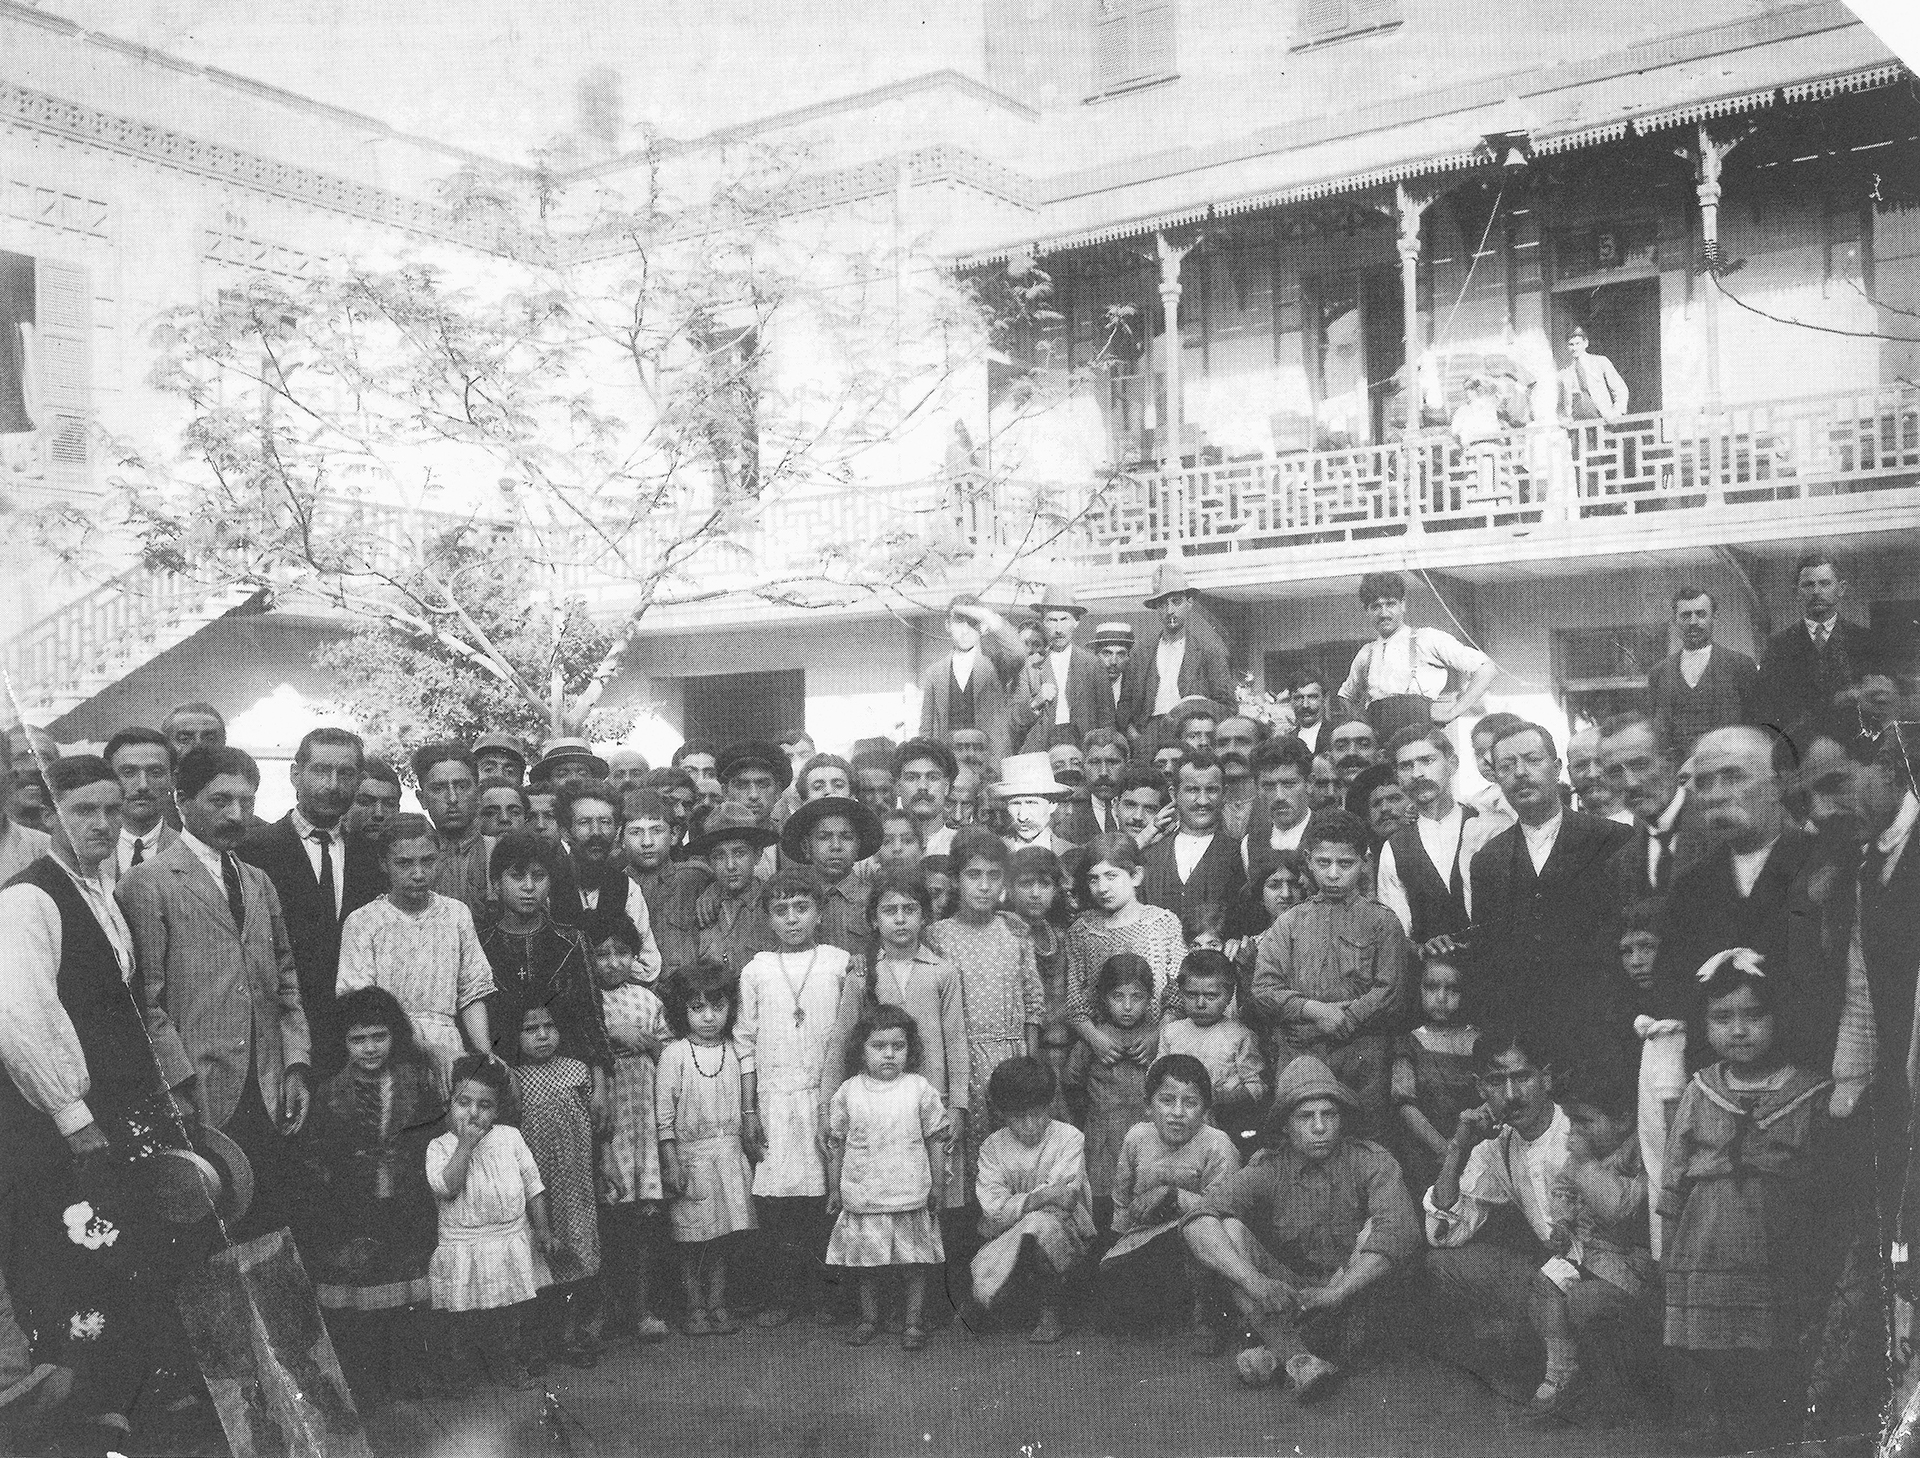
(327, 892)
(139, 853)
(1662, 859)
(236, 901)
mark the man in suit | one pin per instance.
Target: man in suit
(1590, 387)
(1182, 660)
(1105, 755)
(1199, 864)
(1113, 644)
(1646, 776)
(589, 877)
(1423, 868)
(1808, 663)
(143, 761)
(321, 874)
(1703, 686)
(975, 685)
(1309, 698)
(1537, 892)
(222, 989)
(1074, 694)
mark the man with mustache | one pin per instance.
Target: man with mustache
(1196, 865)
(1703, 686)
(1106, 754)
(1309, 699)
(143, 759)
(1808, 663)
(1074, 694)
(1234, 740)
(321, 874)
(591, 878)
(1403, 676)
(1591, 792)
(450, 794)
(1423, 868)
(923, 772)
(1283, 776)
(1325, 789)
(1182, 661)
(1353, 748)
(1647, 780)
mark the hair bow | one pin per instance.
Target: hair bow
(1744, 959)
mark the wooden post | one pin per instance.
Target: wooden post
(1407, 211)
(1707, 153)
(1171, 424)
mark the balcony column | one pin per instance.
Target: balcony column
(1171, 424)
(1408, 209)
(1706, 153)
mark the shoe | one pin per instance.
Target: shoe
(773, 1316)
(1311, 1376)
(913, 1339)
(722, 1322)
(1555, 1399)
(1256, 1366)
(865, 1332)
(650, 1329)
(1048, 1330)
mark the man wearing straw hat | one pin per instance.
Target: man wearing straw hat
(1075, 694)
(1113, 645)
(1029, 791)
(1181, 661)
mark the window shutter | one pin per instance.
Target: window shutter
(1320, 18)
(61, 315)
(1112, 47)
(1367, 14)
(1153, 40)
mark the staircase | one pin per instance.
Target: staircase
(97, 639)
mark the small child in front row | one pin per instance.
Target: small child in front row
(557, 1123)
(704, 1167)
(1036, 1210)
(887, 1145)
(489, 1265)
(1435, 1077)
(630, 1190)
(1223, 1044)
(1113, 1096)
(1748, 1209)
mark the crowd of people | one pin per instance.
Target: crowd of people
(1105, 999)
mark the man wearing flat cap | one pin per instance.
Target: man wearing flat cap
(976, 685)
(500, 757)
(1182, 660)
(1075, 695)
(1305, 1234)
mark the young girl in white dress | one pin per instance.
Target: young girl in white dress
(887, 1137)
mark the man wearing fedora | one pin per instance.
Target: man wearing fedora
(835, 834)
(976, 685)
(1181, 661)
(1029, 791)
(1074, 694)
(567, 762)
(733, 924)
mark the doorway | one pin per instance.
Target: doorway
(1358, 345)
(728, 707)
(1622, 321)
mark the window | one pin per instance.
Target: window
(714, 706)
(1324, 21)
(44, 370)
(1132, 44)
(1602, 671)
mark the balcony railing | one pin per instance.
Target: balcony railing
(1675, 460)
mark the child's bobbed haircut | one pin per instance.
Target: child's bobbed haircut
(1181, 1068)
(610, 924)
(790, 883)
(1643, 915)
(403, 827)
(1501, 1039)
(1111, 849)
(1206, 962)
(704, 980)
(1020, 1086)
(477, 1068)
(1453, 961)
(1037, 863)
(881, 1019)
(899, 883)
(375, 1007)
(519, 850)
(1292, 861)
(973, 843)
(936, 865)
(1729, 977)
(1598, 1086)
(1123, 969)
(1337, 827)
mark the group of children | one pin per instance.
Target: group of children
(1047, 1074)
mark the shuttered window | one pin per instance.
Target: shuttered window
(1132, 43)
(62, 320)
(1329, 20)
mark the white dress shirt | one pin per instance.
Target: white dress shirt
(1540, 840)
(1061, 663)
(1447, 845)
(1693, 664)
(1505, 1170)
(336, 851)
(963, 666)
(1187, 850)
(1409, 661)
(208, 857)
(149, 844)
(1168, 655)
(1278, 838)
(20, 847)
(1747, 866)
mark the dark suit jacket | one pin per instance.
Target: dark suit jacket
(995, 687)
(311, 924)
(1791, 694)
(1218, 877)
(1627, 868)
(1544, 954)
(1203, 671)
(1089, 694)
(1723, 696)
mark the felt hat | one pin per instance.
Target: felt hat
(1059, 597)
(1029, 774)
(184, 1186)
(1113, 635)
(750, 753)
(565, 751)
(730, 820)
(1167, 580)
(500, 744)
(1308, 1078)
(809, 813)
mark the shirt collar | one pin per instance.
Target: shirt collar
(151, 838)
(1547, 828)
(304, 828)
(1898, 833)
(62, 857)
(1670, 816)
(204, 853)
(1813, 628)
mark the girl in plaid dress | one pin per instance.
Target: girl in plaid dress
(554, 1099)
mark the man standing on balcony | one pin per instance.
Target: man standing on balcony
(1074, 694)
(1590, 387)
(1182, 661)
(1702, 687)
(1403, 676)
(1807, 664)
(973, 686)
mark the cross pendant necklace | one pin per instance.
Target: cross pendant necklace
(799, 1012)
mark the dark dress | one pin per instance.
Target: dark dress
(1444, 1086)
(549, 967)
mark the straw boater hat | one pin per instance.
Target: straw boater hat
(562, 751)
(809, 813)
(752, 752)
(1113, 635)
(730, 820)
(500, 744)
(1029, 774)
(1167, 580)
(1059, 597)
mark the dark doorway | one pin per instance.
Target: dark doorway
(1330, 661)
(726, 707)
(1357, 346)
(1622, 321)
